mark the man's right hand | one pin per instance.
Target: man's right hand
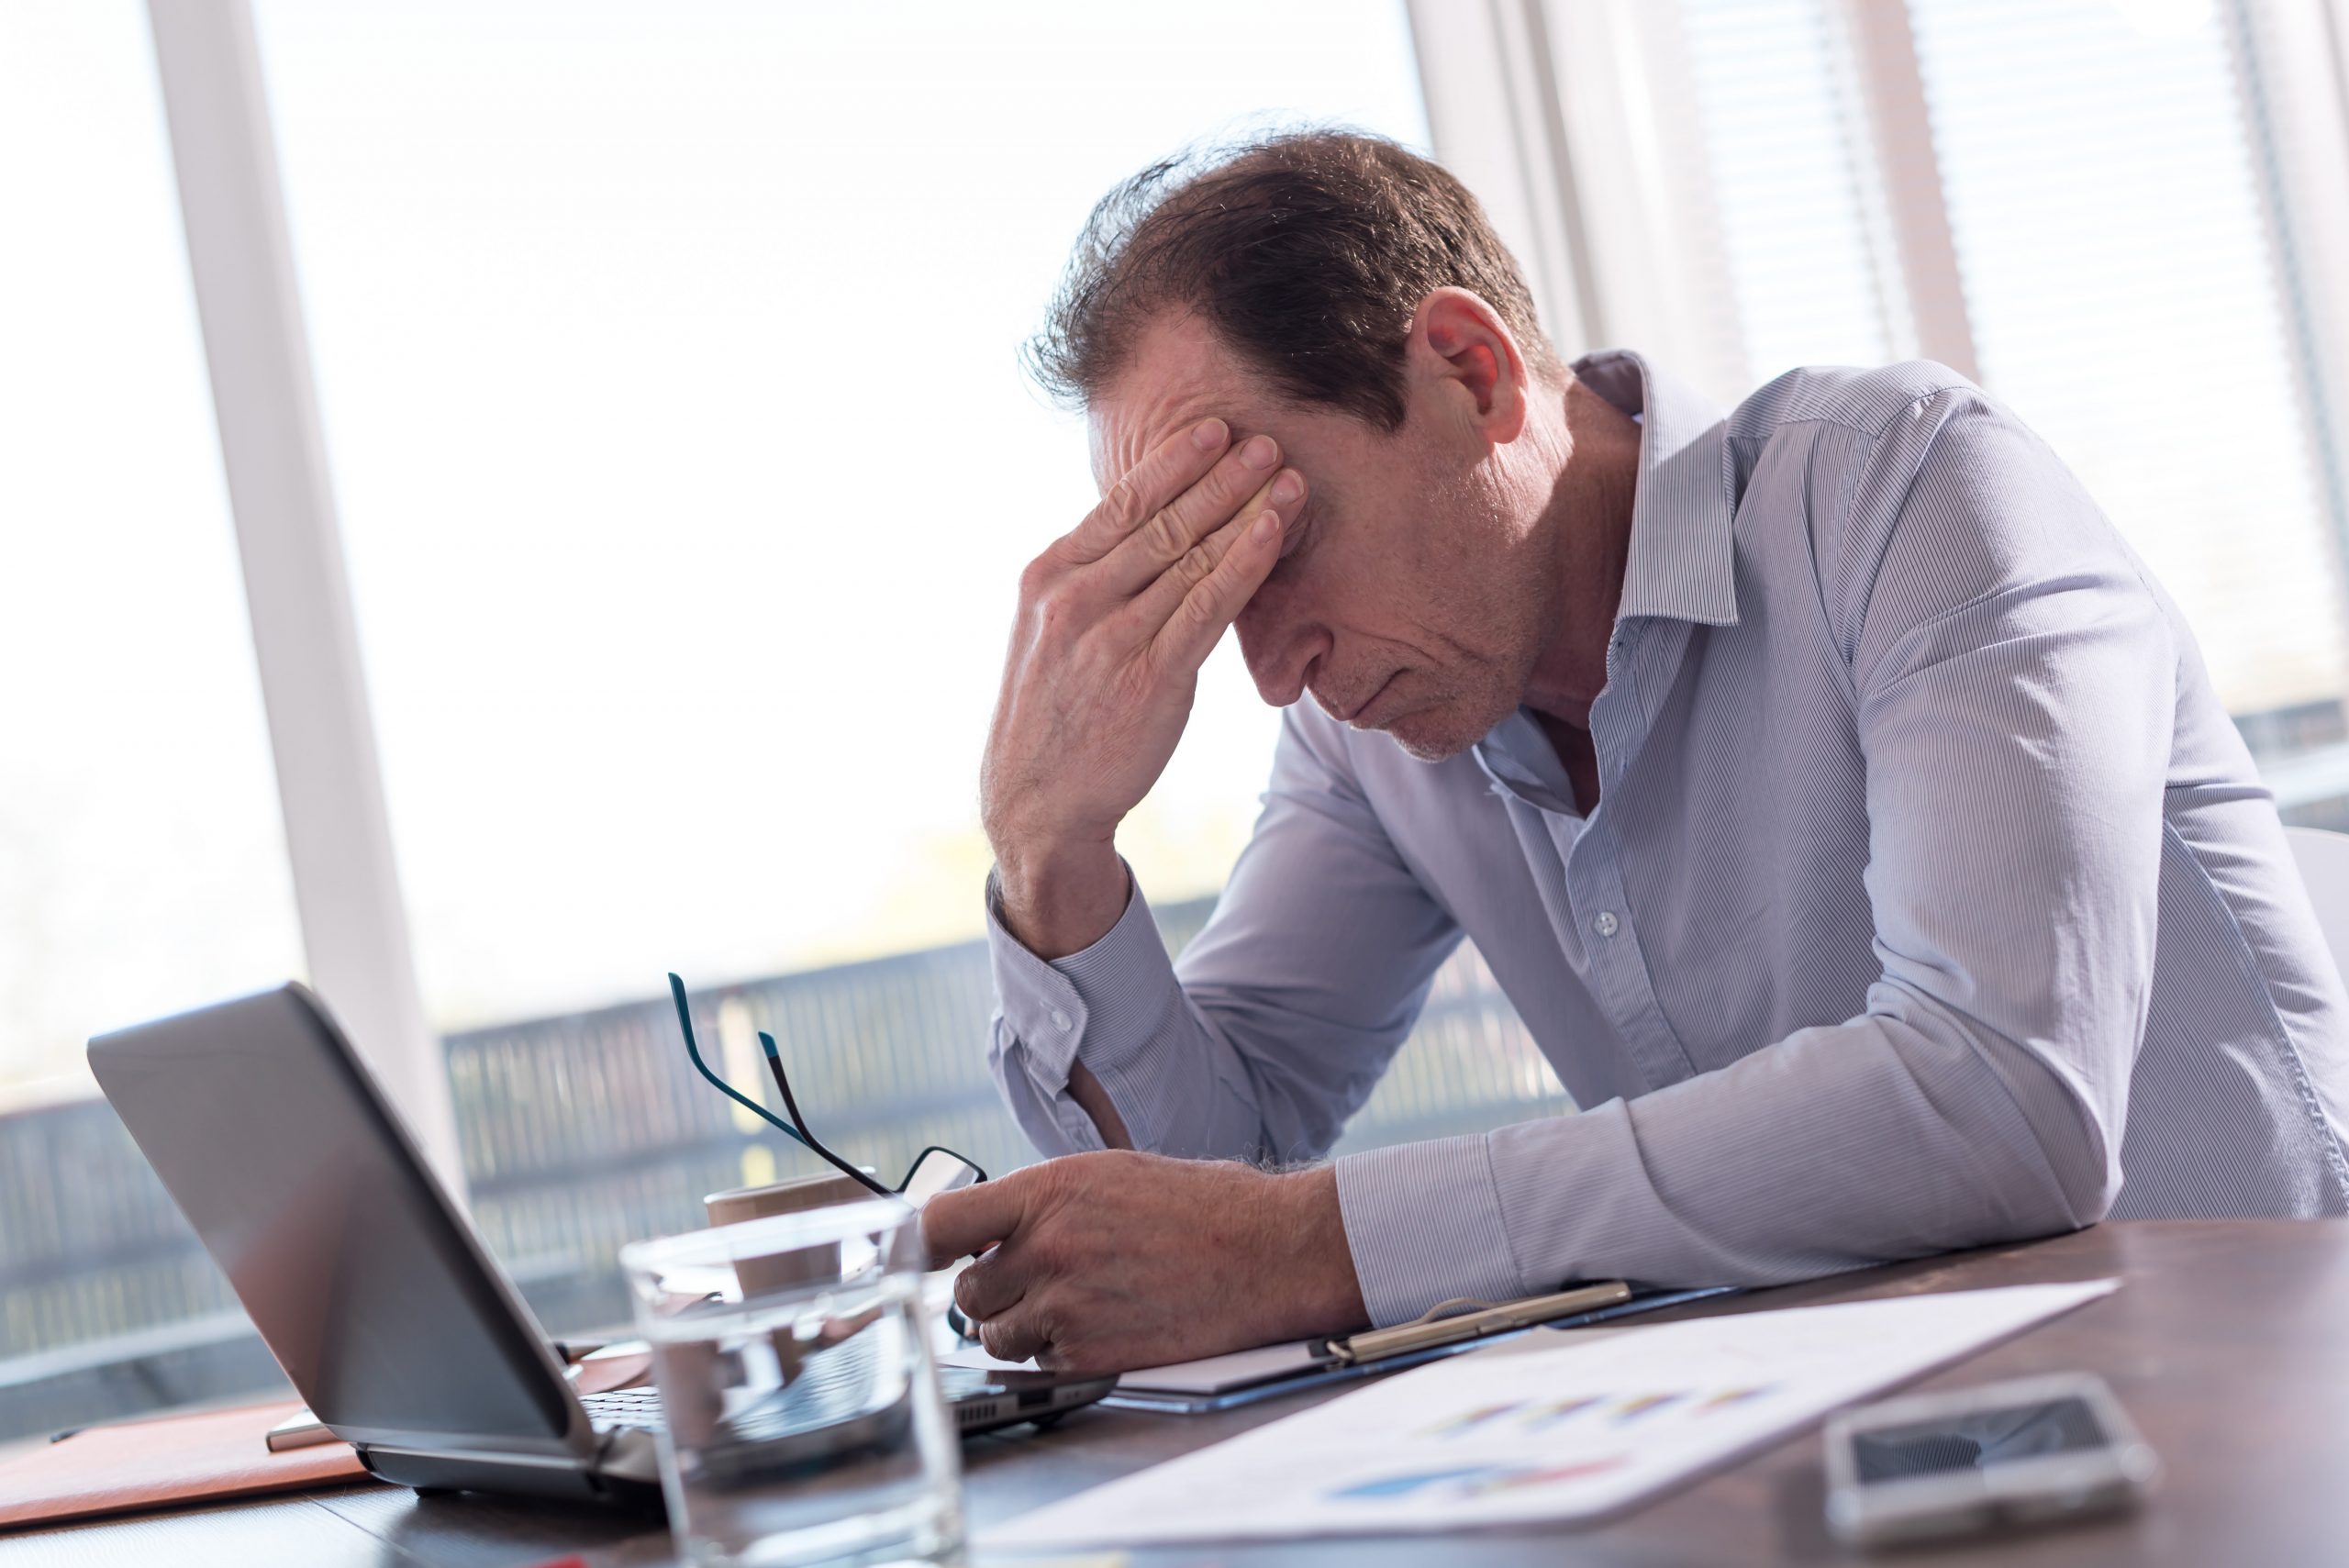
(1115, 617)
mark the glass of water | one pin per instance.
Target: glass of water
(793, 1359)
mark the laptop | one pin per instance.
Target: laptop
(373, 1292)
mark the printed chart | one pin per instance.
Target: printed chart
(1597, 1416)
(1542, 1432)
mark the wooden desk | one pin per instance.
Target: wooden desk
(2229, 1343)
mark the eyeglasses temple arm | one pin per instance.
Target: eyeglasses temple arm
(685, 1022)
(774, 1065)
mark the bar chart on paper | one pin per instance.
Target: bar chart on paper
(1601, 1422)
(1543, 1433)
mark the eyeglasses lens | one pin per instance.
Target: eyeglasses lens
(937, 1172)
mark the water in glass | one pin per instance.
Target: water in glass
(794, 1360)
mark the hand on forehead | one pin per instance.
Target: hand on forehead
(1262, 439)
(1179, 375)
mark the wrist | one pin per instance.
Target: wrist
(1319, 1292)
(1059, 899)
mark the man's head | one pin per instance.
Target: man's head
(1351, 300)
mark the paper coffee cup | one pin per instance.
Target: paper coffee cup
(759, 1276)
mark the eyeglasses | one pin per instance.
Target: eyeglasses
(935, 1170)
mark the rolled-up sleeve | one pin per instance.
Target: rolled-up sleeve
(1283, 1013)
(2012, 676)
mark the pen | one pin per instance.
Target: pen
(1379, 1343)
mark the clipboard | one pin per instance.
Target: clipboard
(1322, 1363)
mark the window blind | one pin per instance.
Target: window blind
(2098, 171)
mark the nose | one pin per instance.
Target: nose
(1281, 649)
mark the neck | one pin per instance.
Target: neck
(1588, 519)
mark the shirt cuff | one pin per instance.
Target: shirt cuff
(1106, 1003)
(1423, 1221)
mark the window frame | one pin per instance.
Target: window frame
(298, 593)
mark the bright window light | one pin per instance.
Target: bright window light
(2102, 195)
(668, 361)
(142, 866)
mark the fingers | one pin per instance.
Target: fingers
(1171, 532)
(958, 1224)
(1215, 600)
(994, 1293)
(1156, 604)
(1018, 1338)
(993, 1286)
(1171, 468)
(1038, 1332)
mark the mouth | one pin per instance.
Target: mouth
(1354, 715)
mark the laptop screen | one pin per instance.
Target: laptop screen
(281, 1151)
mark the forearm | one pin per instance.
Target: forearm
(1900, 1134)
(1318, 1291)
(1102, 1049)
(1287, 1007)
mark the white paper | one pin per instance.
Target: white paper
(977, 1358)
(1571, 1433)
(1212, 1375)
(1216, 1375)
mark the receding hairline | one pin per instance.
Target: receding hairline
(1346, 233)
(1545, 367)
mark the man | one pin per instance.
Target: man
(1843, 808)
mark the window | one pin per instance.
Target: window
(2099, 167)
(2123, 292)
(668, 373)
(142, 869)
(1785, 133)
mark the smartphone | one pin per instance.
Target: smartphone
(2009, 1454)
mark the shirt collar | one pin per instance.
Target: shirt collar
(1680, 565)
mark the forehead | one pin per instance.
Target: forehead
(1179, 374)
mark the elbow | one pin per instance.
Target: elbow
(2084, 1172)
(2063, 1163)
(2016, 1189)
(2041, 1143)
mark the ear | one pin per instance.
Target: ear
(1462, 362)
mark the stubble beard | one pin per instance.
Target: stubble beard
(1443, 730)
(1490, 680)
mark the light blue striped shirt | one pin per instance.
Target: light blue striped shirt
(1932, 899)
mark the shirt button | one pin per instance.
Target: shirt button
(1604, 922)
(1061, 1021)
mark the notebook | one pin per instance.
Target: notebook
(132, 1466)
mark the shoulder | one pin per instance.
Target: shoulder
(1825, 459)
(1920, 494)
(1869, 403)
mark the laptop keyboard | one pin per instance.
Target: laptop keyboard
(830, 1387)
(624, 1408)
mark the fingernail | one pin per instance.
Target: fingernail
(1267, 524)
(1288, 486)
(1259, 451)
(1208, 435)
